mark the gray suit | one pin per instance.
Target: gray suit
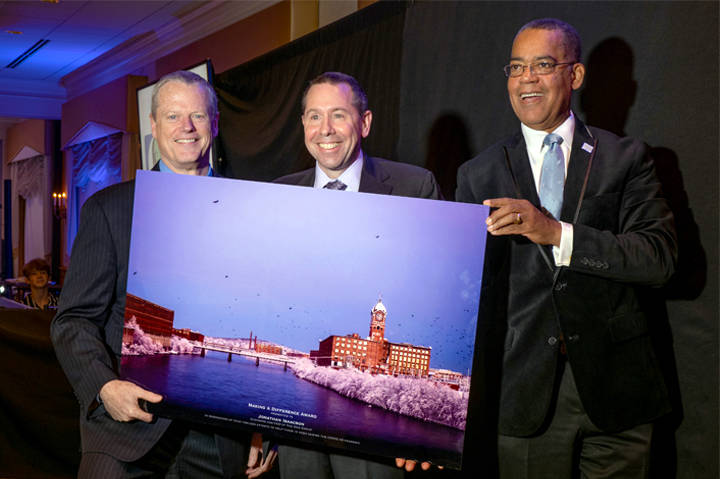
(385, 178)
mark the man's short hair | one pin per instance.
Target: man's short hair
(38, 264)
(571, 44)
(359, 100)
(188, 78)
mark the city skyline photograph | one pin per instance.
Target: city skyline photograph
(296, 265)
(367, 295)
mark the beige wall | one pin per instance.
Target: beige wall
(112, 104)
(236, 44)
(255, 35)
(365, 3)
(28, 133)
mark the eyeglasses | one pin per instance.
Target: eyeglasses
(539, 68)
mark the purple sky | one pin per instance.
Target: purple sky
(296, 265)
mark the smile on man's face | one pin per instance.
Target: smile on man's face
(542, 102)
(333, 127)
(183, 128)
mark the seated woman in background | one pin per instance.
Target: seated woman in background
(37, 273)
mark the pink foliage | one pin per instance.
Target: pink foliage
(142, 343)
(414, 397)
(182, 345)
(228, 343)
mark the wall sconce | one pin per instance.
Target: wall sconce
(60, 205)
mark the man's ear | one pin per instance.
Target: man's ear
(578, 75)
(152, 125)
(366, 122)
(215, 123)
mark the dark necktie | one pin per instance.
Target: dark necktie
(552, 178)
(335, 185)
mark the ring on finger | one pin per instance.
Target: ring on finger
(518, 220)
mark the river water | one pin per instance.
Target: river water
(274, 401)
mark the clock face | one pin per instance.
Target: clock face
(378, 316)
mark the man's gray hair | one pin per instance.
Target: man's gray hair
(190, 79)
(571, 44)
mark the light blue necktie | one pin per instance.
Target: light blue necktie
(552, 178)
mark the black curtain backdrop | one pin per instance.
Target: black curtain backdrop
(642, 81)
(433, 74)
(261, 136)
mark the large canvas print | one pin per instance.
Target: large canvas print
(328, 317)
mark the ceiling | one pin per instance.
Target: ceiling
(84, 44)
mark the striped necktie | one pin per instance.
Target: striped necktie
(335, 185)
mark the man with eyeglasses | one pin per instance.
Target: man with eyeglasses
(579, 233)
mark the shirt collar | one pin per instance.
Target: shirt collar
(166, 169)
(534, 138)
(351, 176)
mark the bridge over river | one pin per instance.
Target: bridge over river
(248, 353)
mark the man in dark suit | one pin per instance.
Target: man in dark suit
(570, 260)
(119, 437)
(335, 119)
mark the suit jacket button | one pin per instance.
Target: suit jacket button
(552, 341)
(605, 265)
(592, 262)
(558, 286)
(584, 261)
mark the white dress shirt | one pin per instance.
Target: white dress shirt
(536, 153)
(351, 176)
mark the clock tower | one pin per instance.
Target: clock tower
(377, 321)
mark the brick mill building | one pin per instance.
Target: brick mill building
(267, 348)
(374, 353)
(155, 320)
(188, 334)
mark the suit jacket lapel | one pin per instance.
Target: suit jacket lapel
(372, 178)
(519, 165)
(578, 171)
(524, 180)
(308, 179)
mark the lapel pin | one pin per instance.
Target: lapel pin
(587, 147)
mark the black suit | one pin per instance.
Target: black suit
(380, 177)
(624, 242)
(87, 331)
